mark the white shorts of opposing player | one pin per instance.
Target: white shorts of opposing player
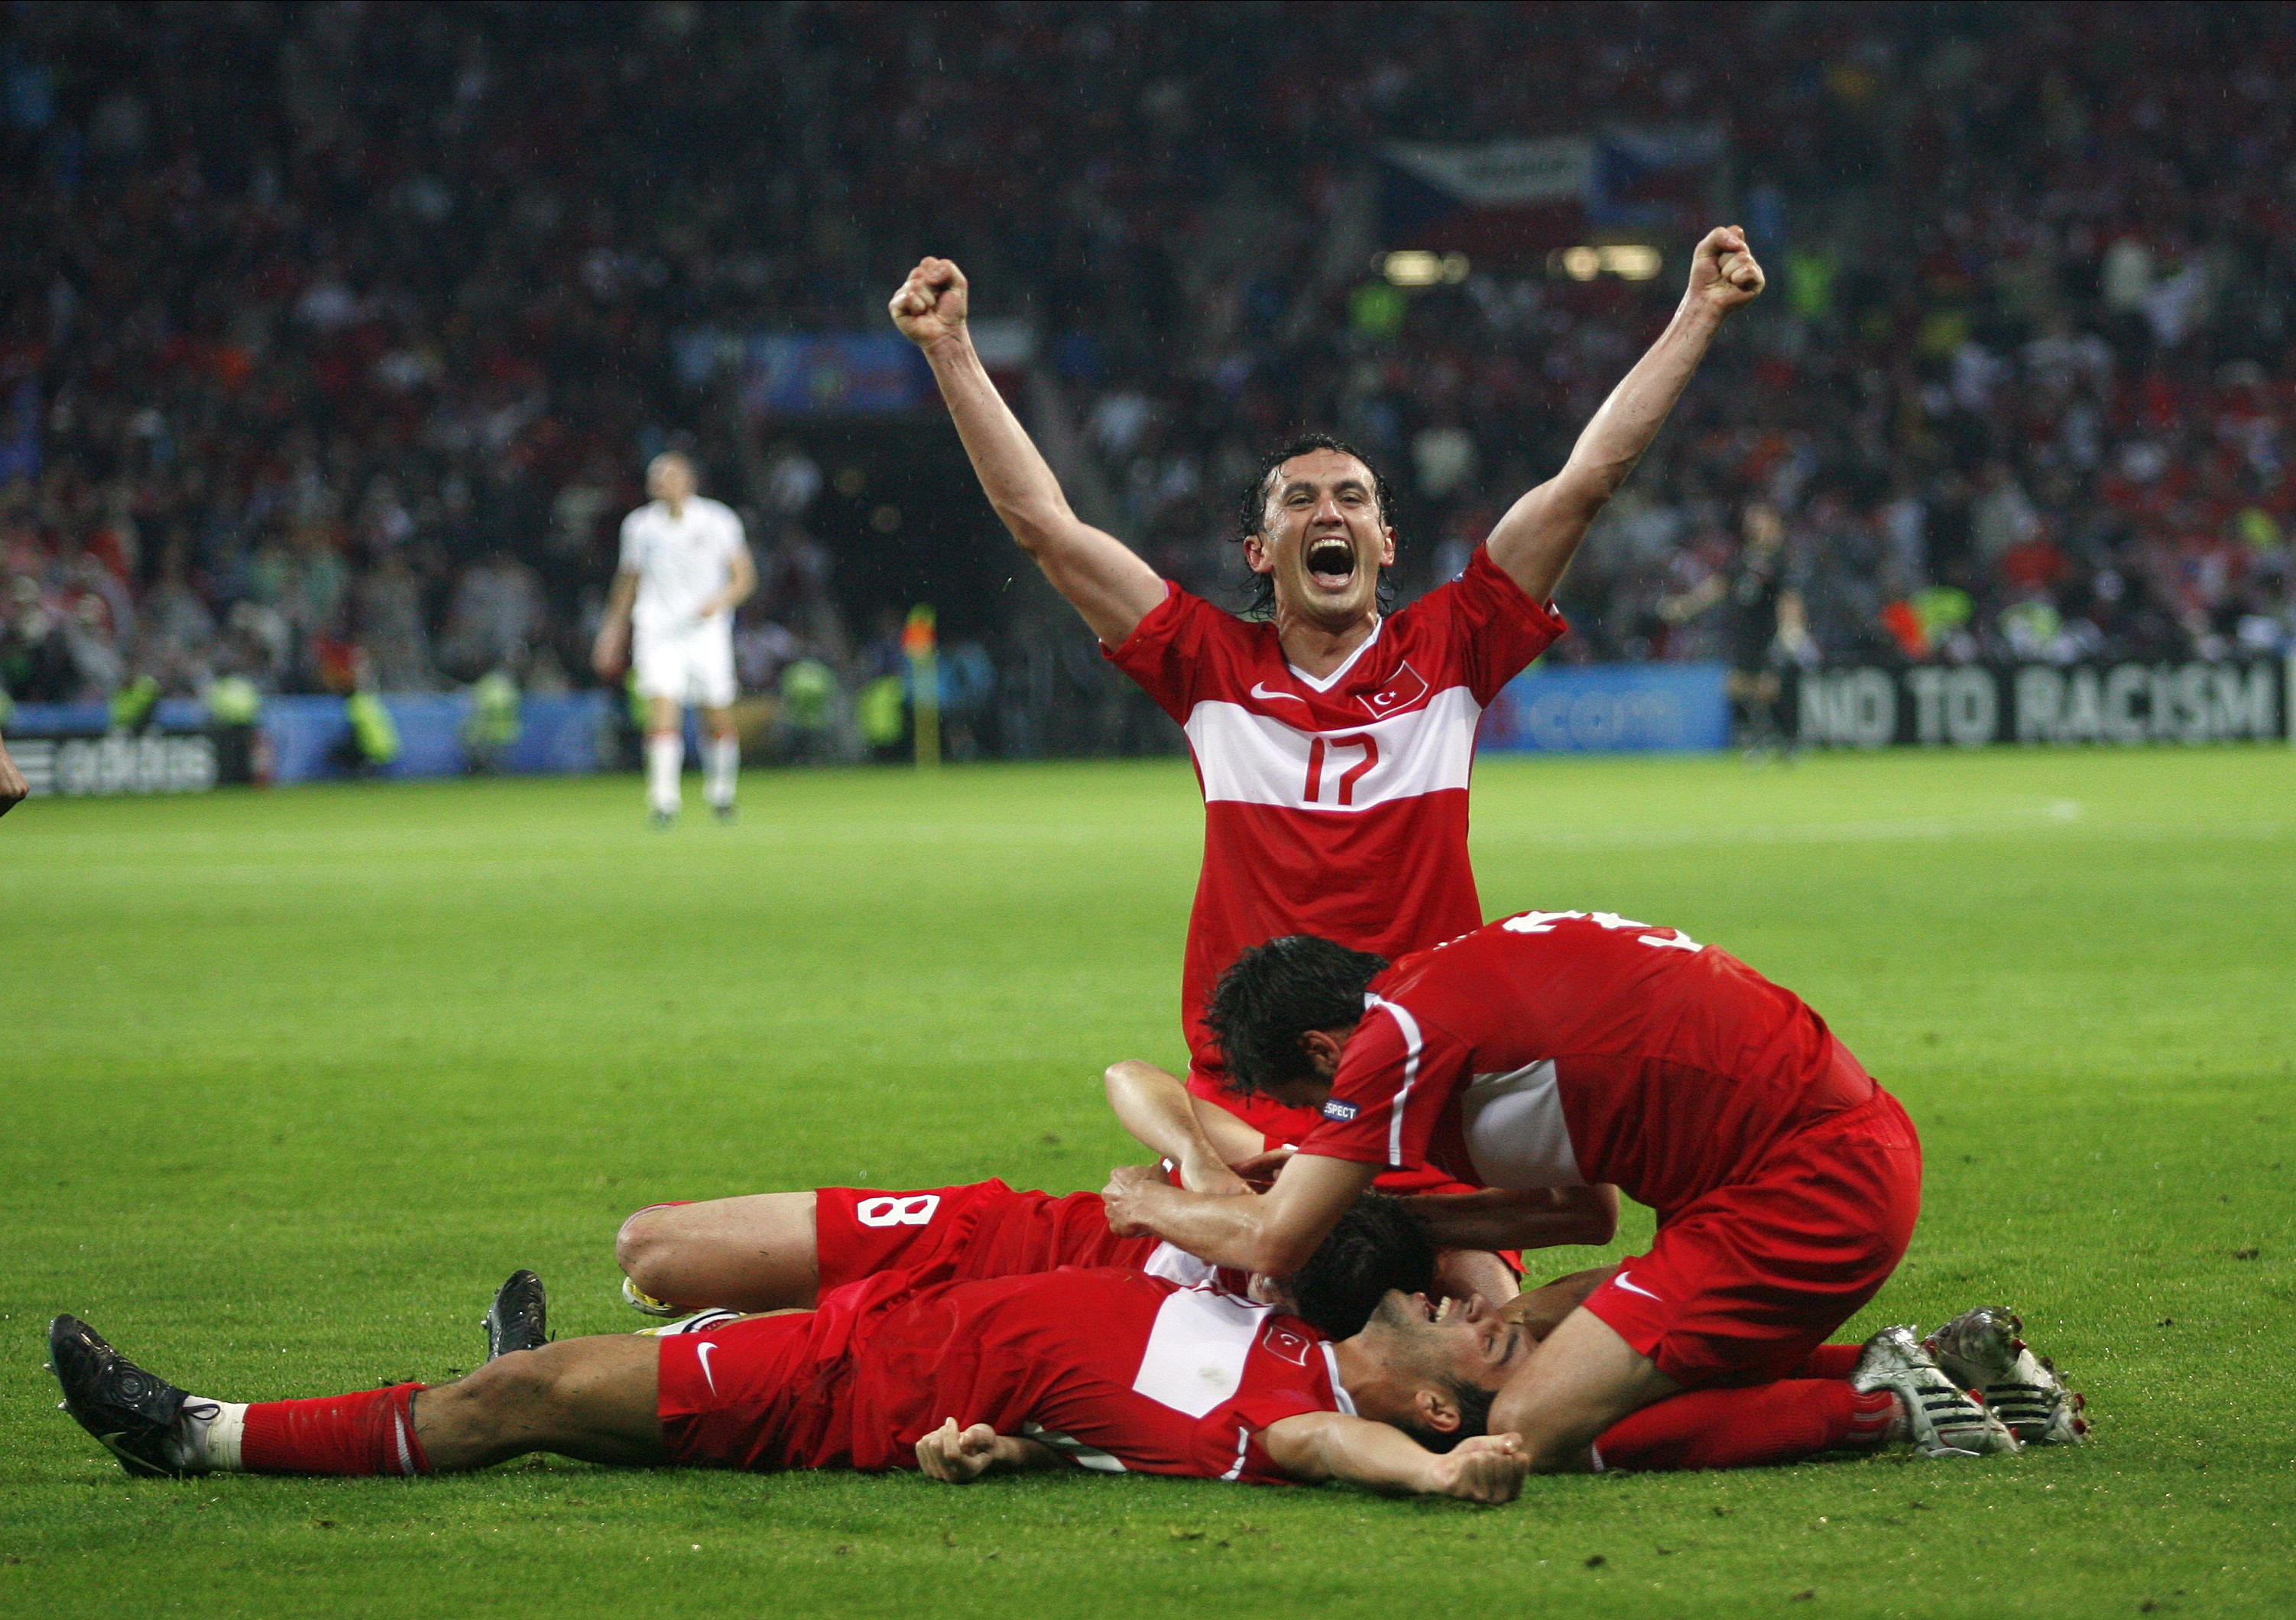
(692, 666)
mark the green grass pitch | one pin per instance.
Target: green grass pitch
(290, 1081)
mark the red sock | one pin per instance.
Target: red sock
(1735, 1429)
(371, 1432)
(1829, 1362)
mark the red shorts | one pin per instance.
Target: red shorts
(769, 1392)
(1742, 1284)
(960, 1234)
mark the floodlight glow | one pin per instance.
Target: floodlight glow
(1631, 262)
(1581, 263)
(1414, 268)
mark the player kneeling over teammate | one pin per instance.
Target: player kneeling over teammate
(1558, 1048)
(1101, 1369)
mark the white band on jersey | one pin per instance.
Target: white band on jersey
(1253, 759)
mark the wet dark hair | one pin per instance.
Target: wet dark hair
(1378, 1245)
(1274, 994)
(1252, 513)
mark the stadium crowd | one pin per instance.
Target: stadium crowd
(333, 338)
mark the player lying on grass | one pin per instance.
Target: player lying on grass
(775, 1251)
(1104, 1368)
(1333, 741)
(1556, 1049)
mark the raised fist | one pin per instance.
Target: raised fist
(1723, 272)
(931, 304)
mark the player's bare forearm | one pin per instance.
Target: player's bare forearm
(1157, 1109)
(622, 598)
(1538, 1219)
(13, 788)
(1536, 540)
(1103, 579)
(607, 652)
(1323, 1445)
(1274, 1232)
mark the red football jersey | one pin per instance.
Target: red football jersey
(1123, 1372)
(1558, 1048)
(1336, 806)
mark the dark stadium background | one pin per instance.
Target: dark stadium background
(348, 327)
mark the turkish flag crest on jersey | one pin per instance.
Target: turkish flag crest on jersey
(1286, 1345)
(1407, 690)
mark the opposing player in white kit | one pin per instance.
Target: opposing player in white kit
(685, 569)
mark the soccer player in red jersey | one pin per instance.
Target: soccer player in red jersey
(1556, 1049)
(1106, 1370)
(1334, 742)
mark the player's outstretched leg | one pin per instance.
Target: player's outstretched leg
(595, 1399)
(1983, 1350)
(1942, 1419)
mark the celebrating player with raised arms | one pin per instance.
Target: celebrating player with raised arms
(1334, 742)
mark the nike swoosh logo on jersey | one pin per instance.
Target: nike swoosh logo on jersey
(1259, 690)
(1632, 1288)
(703, 1351)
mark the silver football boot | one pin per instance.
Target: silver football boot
(1942, 1419)
(1983, 1350)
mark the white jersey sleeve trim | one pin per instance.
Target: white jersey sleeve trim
(1409, 1026)
(1243, 1449)
(1075, 1451)
(1339, 1390)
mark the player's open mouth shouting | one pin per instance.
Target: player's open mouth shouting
(1325, 538)
(1331, 561)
